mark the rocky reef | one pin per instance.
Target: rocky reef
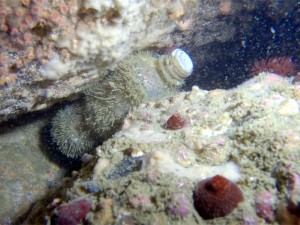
(52, 48)
(169, 151)
(242, 143)
(27, 174)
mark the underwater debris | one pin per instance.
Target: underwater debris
(70, 134)
(139, 78)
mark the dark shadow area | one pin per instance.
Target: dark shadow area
(9, 126)
(226, 65)
(48, 147)
(221, 66)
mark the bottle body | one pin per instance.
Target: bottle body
(139, 78)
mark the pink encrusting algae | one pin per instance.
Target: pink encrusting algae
(264, 206)
(28, 29)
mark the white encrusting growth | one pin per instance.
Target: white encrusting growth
(164, 163)
(55, 68)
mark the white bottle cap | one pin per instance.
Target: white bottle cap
(184, 61)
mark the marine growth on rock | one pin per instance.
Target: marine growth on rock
(69, 132)
(216, 197)
(283, 66)
(175, 122)
(71, 213)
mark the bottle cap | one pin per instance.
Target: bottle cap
(183, 60)
(175, 67)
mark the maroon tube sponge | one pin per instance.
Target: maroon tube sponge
(71, 213)
(216, 197)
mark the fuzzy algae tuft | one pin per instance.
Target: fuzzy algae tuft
(70, 133)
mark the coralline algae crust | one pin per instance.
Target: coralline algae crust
(93, 44)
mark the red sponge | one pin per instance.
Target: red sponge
(71, 213)
(216, 197)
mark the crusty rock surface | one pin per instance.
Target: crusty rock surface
(53, 48)
(146, 173)
(50, 49)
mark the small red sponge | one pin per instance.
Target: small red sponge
(175, 122)
(216, 197)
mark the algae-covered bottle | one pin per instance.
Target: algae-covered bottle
(139, 78)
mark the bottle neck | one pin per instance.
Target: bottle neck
(175, 67)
